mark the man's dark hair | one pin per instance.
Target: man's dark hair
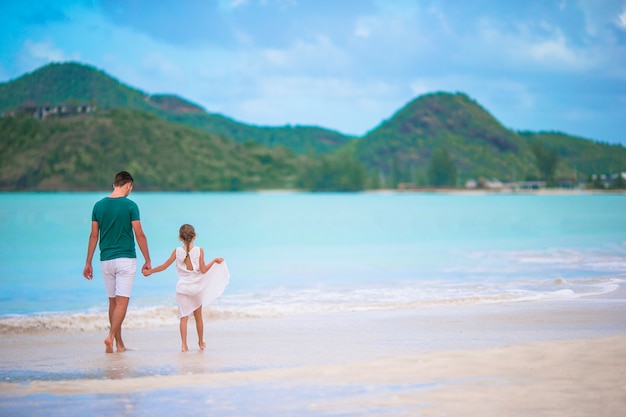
(122, 178)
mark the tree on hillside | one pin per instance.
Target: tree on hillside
(617, 181)
(375, 181)
(403, 171)
(335, 172)
(442, 170)
(547, 161)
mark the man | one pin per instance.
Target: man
(114, 219)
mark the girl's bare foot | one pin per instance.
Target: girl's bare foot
(202, 345)
(109, 345)
(184, 349)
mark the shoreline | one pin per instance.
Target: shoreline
(416, 190)
(504, 191)
(474, 360)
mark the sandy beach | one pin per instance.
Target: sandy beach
(531, 358)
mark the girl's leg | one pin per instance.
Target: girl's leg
(183, 332)
(197, 314)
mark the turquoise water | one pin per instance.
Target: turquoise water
(290, 252)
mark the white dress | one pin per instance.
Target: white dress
(195, 288)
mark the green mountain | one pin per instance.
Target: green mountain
(82, 152)
(69, 83)
(401, 148)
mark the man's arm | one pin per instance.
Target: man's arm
(91, 248)
(142, 241)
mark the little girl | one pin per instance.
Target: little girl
(198, 284)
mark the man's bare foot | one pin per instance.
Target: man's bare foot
(202, 345)
(109, 345)
(120, 344)
(184, 349)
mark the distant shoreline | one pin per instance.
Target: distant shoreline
(424, 190)
(541, 191)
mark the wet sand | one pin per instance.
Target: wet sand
(534, 358)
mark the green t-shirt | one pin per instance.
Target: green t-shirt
(115, 217)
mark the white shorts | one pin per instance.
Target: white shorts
(119, 275)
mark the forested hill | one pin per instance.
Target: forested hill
(74, 83)
(436, 139)
(82, 153)
(70, 83)
(477, 143)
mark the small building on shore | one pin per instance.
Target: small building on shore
(42, 112)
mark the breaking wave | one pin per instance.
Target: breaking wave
(285, 302)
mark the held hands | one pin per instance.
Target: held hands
(147, 270)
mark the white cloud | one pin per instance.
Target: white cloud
(271, 101)
(277, 57)
(281, 4)
(395, 23)
(303, 57)
(228, 5)
(441, 19)
(601, 15)
(35, 54)
(156, 61)
(621, 20)
(422, 86)
(544, 49)
(363, 29)
(400, 8)
(284, 4)
(323, 87)
(552, 50)
(45, 51)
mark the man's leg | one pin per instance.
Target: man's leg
(109, 346)
(117, 313)
(118, 275)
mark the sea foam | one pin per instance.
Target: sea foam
(286, 302)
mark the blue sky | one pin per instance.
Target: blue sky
(344, 64)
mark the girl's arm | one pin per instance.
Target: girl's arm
(162, 267)
(204, 268)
